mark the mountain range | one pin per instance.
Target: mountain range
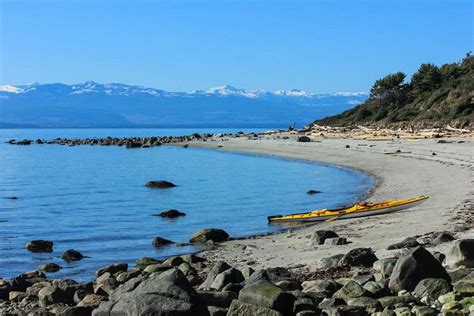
(92, 104)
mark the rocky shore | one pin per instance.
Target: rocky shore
(416, 282)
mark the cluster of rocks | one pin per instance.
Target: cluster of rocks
(415, 283)
(133, 142)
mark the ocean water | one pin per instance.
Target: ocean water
(93, 199)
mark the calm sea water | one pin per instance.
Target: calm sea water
(93, 199)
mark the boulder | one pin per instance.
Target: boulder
(24, 281)
(146, 261)
(312, 192)
(92, 300)
(160, 242)
(304, 139)
(368, 303)
(385, 266)
(414, 267)
(231, 275)
(391, 301)
(265, 293)
(219, 299)
(465, 288)
(461, 254)
(218, 267)
(335, 241)
(161, 184)
(239, 308)
(112, 269)
(50, 295)
(50, 267)
(351, 289)
(171, 214)
(409, 242)
(71, 255)
(358, 257)
(305, 304)
(39, 246)
(325, 287)
(168, 293)
(330, 262)
(444, 237)
(432, 288)
(209, 234)
(321, 235)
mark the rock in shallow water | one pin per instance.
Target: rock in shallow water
(39, 246)
(161, 184)
(160, 242)
(171, 214)
(72, 255)
(50, 267)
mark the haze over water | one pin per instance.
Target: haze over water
(93, 198)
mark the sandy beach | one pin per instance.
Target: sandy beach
(441, 170)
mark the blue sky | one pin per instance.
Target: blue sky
(317, 46)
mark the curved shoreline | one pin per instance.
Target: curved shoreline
(417, 171)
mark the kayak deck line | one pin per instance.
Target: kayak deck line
(357, 210)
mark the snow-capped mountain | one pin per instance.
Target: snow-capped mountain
(116, 104)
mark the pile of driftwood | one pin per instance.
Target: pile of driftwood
(381, 133)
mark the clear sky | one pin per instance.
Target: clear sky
(317, 46)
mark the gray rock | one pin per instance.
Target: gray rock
(146, 261)
(329, 303)
(161, 184)
(257, 276)
(51, 295)
(358, 257)
(288, 286)
(363, 278)
(219, 299)
(39, 246)
(330, 262)
(173, 261)
(218, 267)
(71, 255)
(414, 267)
(370, 304)
(168, 293)
(171, 214)
(335, 241)
(376, 289)
(409, 242)
(444, 237)
(231, 275)
(160, 242)
(351, 289)
(112, 269)
(304, 304)
(461, 254)
(432, 288)
(265, 293)
(24, 281)
(209, 234)
(239, 308)
(76, 311)
(385, 266)
(325, 287)
(50, 267)
(391, 301)
(321, 235)
(304, 139)
(424, 310)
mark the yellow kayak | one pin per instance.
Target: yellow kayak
(356, 210)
